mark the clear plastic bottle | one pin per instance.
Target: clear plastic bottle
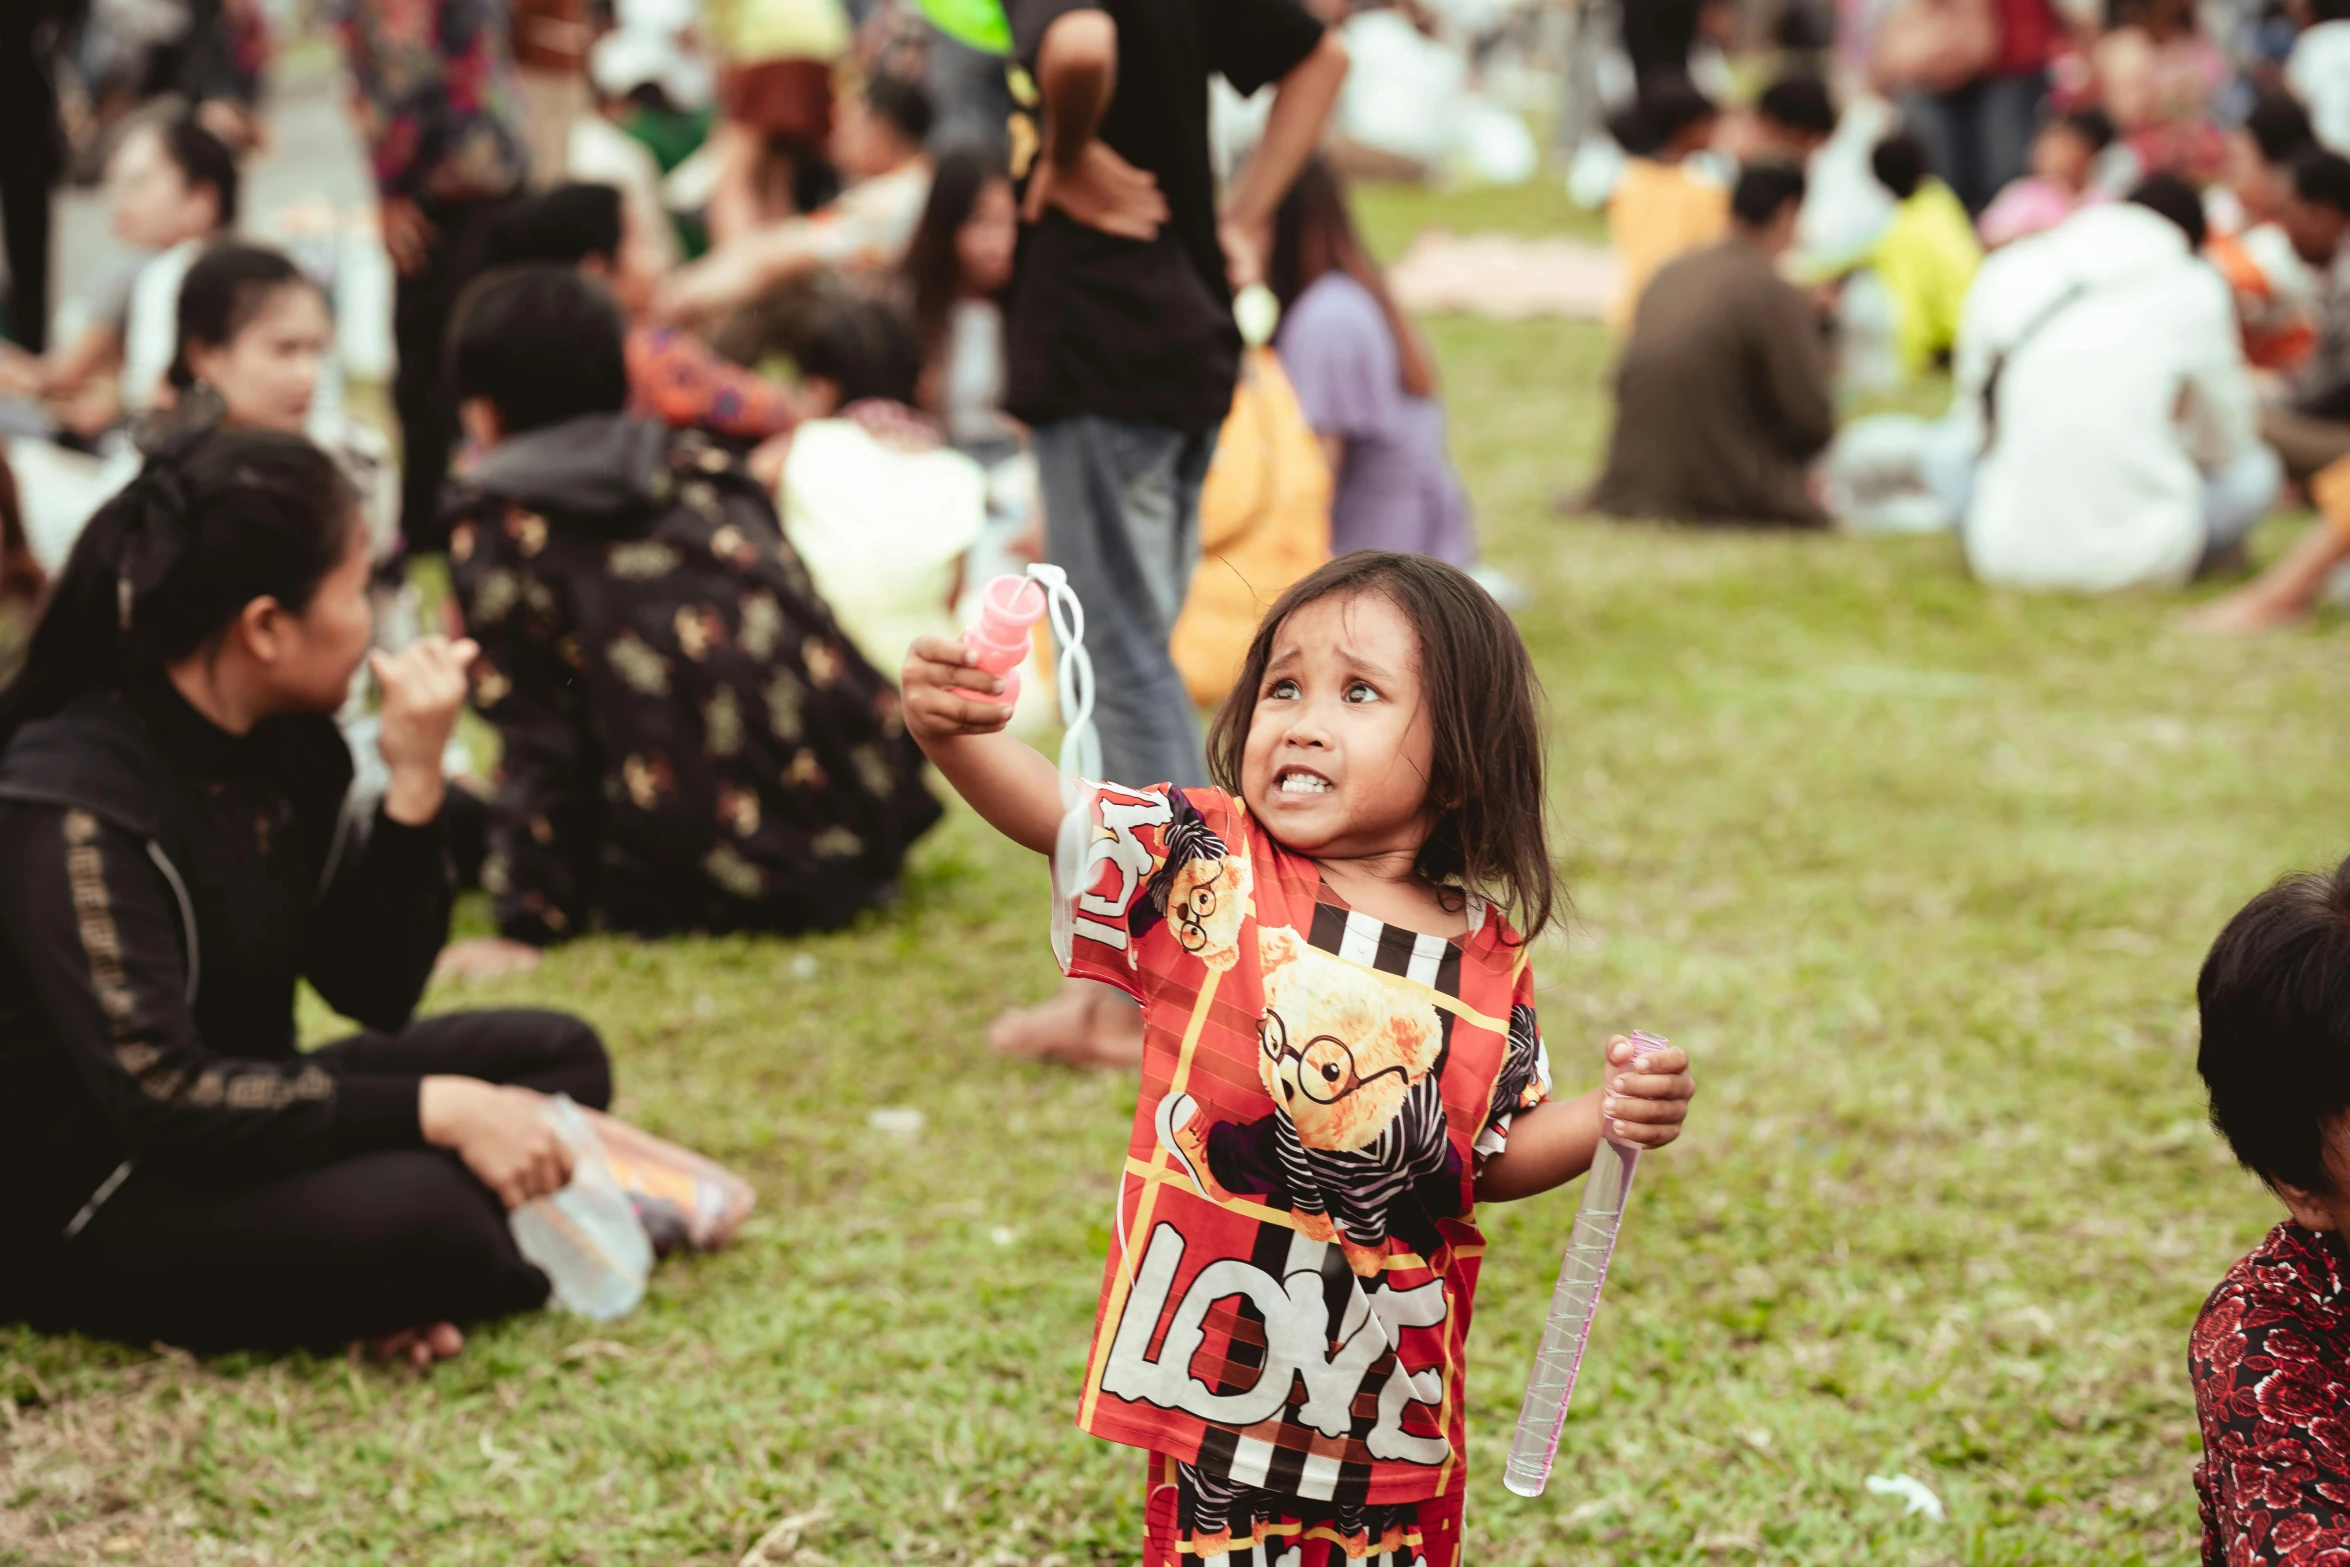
(586, 1238)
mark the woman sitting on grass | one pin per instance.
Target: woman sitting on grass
(1340, 1054)
(2271, 1353)
(175, 856)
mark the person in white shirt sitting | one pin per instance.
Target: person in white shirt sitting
(2118, 420)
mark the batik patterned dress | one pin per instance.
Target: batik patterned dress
(1284, 1319)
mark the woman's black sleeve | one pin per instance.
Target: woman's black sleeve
(382, 921)
(97, 931)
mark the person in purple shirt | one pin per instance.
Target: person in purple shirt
(1366, 382)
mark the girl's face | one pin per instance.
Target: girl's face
(1339, 745)
(267, 373)
(312, 656)
(983, 245)
(150, 203)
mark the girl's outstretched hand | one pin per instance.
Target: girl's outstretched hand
(938, 672)
(1645, 1092)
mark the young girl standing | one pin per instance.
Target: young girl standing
(1340, 1056)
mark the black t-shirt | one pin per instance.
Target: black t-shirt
(1133, 329)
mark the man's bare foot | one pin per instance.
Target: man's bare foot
(419, 1347)
(485, 957)
(1086, 1024)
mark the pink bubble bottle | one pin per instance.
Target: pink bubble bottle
(999, 641)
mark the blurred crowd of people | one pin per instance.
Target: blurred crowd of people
(2118, 231)
(734, 347)
(807, 220)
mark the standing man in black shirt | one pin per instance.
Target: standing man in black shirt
(1123, 349)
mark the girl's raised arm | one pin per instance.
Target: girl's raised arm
(1010, 783)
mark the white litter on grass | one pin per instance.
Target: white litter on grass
(804, 966)
(1913, 1493)
(896, 1121)
(1003, 1235)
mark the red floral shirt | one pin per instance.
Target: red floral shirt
(2271, 1365)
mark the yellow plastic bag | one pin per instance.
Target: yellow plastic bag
(1264, 517)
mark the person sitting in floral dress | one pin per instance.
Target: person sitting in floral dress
(2270, 1358)
(689, 740)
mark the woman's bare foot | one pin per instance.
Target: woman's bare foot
(419, 1347)
(1086, 1024)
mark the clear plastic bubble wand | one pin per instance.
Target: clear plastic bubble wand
(1606, 1191)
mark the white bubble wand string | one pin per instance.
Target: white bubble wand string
(999, 642)
(1606, 1191)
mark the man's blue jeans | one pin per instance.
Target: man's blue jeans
(1121, 517)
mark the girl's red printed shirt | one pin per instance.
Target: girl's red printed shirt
(1287, 1299)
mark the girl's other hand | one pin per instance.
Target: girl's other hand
(1645, 1092)
(938, 672)
(423, 687)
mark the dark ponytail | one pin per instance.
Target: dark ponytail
(220, 519)
(224, 290)
(21, 578)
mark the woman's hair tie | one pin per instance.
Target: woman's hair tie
(154, 526)
(168, 432)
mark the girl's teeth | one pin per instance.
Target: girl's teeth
(1299, 783)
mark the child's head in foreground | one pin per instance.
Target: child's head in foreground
(2275, 1001)
(1387, 704)
(535, 346)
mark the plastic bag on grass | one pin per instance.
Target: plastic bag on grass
(586, 1238)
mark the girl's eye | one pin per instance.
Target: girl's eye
(1362, 691)
(1283, 691)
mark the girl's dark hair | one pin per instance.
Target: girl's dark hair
(203, 159)
(900, 104)
(222, 518)
(1492, 836)
(2279, 127)
(2093, 125)
(866, 348)
(2274, 996)
(21, 577)
(1313, 233)
(1899, 162)
(933, 271)
(224, 290)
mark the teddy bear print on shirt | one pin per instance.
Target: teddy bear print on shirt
(1352, 1059)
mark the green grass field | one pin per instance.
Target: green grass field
(1920, 874)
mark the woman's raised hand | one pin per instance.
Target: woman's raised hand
(423, 687)
(938, 673)
(502, 1134)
